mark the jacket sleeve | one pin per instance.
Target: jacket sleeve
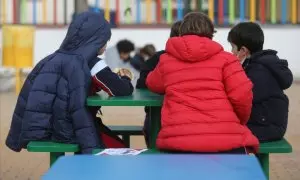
(82, 120)
(146, 68)
(13, 140)
(13, 137)
(155, 80)
(239, 89)
(114, 85)
(137, 62)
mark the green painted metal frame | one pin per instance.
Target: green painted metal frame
(154, 101)
(57, 150)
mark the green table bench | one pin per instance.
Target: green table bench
(126, 131)
(139, 98)
(265, 149)
(59, 149)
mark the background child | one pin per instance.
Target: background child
(142, 56)
(147, 67)
(153, 60)
(118, 56)
(208, 96)
(114, 84)
(270, 76)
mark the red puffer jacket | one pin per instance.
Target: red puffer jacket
(208, 97)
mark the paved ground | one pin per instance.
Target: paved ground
(30, 166)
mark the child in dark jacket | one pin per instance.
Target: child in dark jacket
(52, 103)
(146, 68)
(103, 79)
(270, 76)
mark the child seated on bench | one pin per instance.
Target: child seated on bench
(52, 103)
(270, 76)
(147, 67)
(208, 96)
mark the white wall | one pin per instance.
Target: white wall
(285, 40)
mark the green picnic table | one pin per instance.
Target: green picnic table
(140, 97)
(154, 102)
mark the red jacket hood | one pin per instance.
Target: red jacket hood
(192, 48)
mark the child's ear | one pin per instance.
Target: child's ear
(245, 51)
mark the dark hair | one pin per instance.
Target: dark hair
(197, 23)
(247, 34)
(149, 50)
(125, 46)
(175, 29)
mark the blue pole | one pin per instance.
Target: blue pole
(179, 10)
(34, 2)
(242, 10)
(216, 5)
(226, 10)
(138, 11)
(96, 3)
(283, 11)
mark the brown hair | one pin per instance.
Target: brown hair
(175, 29)
(197, 23)
(148, 50)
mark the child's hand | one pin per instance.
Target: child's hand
(125, 72)
(117, 71)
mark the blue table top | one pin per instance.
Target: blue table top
(156, 167)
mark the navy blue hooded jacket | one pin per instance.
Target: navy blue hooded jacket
(270, 77)
(51, 104)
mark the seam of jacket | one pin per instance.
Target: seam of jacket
(32, 81)
(55, 96)
(39, 90)
(200, 134)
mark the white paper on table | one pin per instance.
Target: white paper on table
(121, 151)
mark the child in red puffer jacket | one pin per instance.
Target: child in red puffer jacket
(208, 96)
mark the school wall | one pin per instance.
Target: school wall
(286, 40)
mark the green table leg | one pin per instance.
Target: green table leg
(126, 140)
(54, 156)
(264, 161)
(155, 114)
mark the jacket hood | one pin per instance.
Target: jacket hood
(278, 67)
(192, 48)
(87, 34)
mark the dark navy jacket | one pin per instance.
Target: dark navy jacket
(51, 104)
(146, 68)
(270, 77)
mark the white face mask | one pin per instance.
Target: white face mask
(242, 59)
(146, 58)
